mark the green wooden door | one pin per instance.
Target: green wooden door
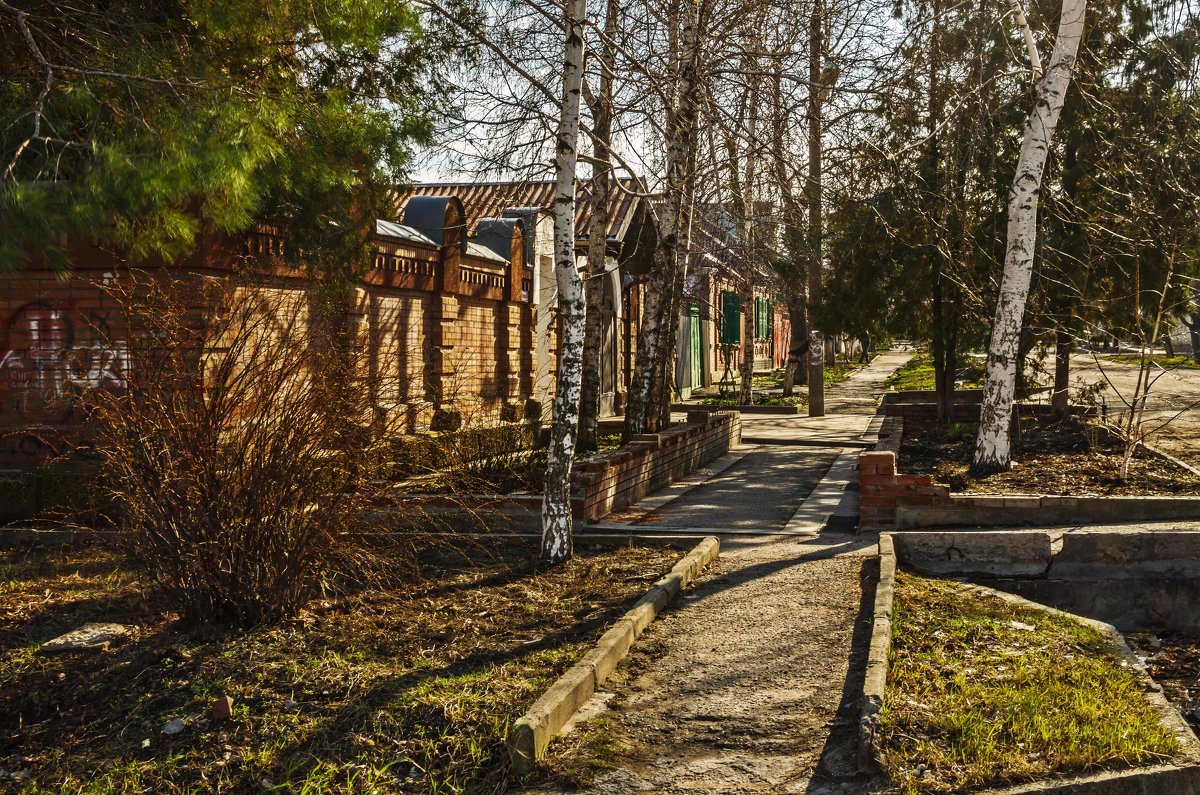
(697, 346)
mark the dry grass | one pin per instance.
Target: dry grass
(394, 691)
(975, 699)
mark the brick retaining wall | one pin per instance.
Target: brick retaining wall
(603, 484)
(889, 499)
(651, 462)
(881, 489)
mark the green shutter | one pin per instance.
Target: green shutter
(731, 318)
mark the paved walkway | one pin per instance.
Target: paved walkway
(749, 684)
(849, 407)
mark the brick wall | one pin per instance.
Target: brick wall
(651, 462)
(446, 334)
(58, 339)
(881, 488)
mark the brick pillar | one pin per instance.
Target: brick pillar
(514, 358)
(876, 479)
(441, 368)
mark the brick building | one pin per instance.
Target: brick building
(458, 307)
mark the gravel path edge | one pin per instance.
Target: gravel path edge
(532, 732)
(875, 679)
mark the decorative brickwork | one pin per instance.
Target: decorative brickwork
(448, 333)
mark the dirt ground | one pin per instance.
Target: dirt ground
(1050, 457)
(1174, 662)
(1174, 399)
(402, 689)
(716, 698)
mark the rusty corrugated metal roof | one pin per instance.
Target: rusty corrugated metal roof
(490, 200)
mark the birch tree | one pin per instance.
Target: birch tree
(649, 389)
(993, 446)
(564, 427)
(600, 102)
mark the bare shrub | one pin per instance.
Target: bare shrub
(241, 454)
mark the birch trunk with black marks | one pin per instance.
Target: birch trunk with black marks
(564, 426)
(993, 446)
(601, 134)
(649, 387)
(663, 384)
(816, 351)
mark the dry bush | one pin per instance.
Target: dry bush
(241, 453)
(473, 449)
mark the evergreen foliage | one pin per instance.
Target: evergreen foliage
(151, 126)
(927, 191)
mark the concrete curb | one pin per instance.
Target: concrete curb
(875, 678)
(1176, 461)
(1157, 780)
(531, 734)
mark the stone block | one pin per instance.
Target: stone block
(647, 608)
(1128, 555)
(90, 636)
(610, 650)
(999, 553)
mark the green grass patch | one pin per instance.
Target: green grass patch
(917, 374)
(760, 399)
(833, 375)
(840, 372)
(1165, 362)
(976, 697)
(607, 442)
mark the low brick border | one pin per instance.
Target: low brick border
(649, 462)
(1156, 780)
(890, 499)
(742, 408)
(601, 484)
(531, 734)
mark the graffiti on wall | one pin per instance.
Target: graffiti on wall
(50, 355)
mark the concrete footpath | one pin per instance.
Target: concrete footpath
(749, 684)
